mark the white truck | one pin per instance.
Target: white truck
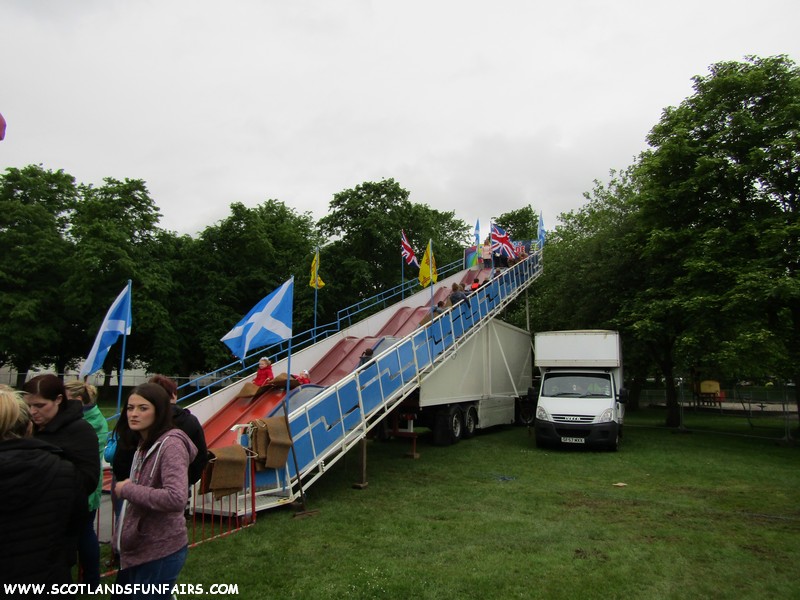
(581, 400)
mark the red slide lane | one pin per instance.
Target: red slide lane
(404, 321)
(340, 360)
(239, 410)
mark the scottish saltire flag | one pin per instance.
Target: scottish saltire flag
(116, 323)
(541, 234)
(268, 322)
(408, 252)
(427, 270)
(316, 282)
(478, 233)
(502, 243)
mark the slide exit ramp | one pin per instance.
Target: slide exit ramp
(326, 422)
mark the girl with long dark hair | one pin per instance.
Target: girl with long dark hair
(151, 532)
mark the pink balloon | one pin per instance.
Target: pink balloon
(2, 127)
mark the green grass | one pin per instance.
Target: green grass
(701, 516)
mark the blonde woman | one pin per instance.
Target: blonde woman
(43, 508)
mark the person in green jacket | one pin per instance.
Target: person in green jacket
(88, 546)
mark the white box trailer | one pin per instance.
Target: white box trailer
(581, 397)
(484, 384)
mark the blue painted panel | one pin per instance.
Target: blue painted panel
(447, 333)
(390, 383)
(491, 295)
(325, 438)
(469, 319)
(405, 353)
(422, 349)
(348, 397)
(371, 396)
(495, 293)
(304, 451)
(270, 478)
(327, 411)
(348, 400)
(436, 334)
(458, 320)
(352, 420)
(390, 374)
(389, 363)
(367, 374)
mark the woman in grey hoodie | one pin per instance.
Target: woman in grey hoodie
(151, 532)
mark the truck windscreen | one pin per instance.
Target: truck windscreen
(578, 385)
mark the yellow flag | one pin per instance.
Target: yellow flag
(315, 282)
(427, 269)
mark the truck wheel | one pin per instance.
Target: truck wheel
(470, 423)
(613, 445)
(526, 412)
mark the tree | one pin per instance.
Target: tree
(234, 264)
(521, 224)
(365, 222)
(719, 224)
(35, 205)
(115, 231)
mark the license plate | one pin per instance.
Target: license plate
(573, 440)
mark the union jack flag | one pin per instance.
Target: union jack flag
(408, 252)
(501, 242)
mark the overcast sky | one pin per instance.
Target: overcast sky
(477, 107)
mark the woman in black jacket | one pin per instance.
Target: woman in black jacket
(59, 421)
(42, 508)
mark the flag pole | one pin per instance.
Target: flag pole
(402, 277)
(491, 243)
(288, 428)
(316, 291)
(122, 360)
(430, 266)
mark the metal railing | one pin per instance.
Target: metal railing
(214, 380)
(344, 317)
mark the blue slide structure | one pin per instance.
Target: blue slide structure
(325, 421)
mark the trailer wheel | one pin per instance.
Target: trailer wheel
(382, 432)
(470, 423)
(449, 426)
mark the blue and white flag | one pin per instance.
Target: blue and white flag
(541, 234)
(116, 323)
(268, 322)
(478, 233)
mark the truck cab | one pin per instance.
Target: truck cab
(580, 401)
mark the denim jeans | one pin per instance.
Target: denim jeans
(160, 571)
(89, 552)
